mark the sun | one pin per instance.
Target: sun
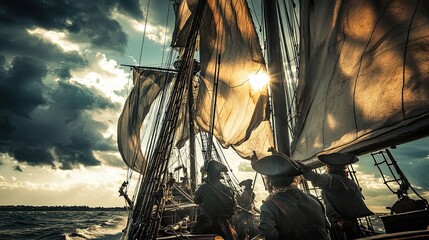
(258, 81)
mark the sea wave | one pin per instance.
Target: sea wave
(111, 229)
(60, 225)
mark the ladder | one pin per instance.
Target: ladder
(398, 179)
(397, 183)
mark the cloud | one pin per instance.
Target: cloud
(21, 85)
(56, 106)
(58, 187)
(50, 123)
(39, 119)
(131, 7)
(245, 166)
(88, 21)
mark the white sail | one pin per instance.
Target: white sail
(364, 81)
(147, 86)
(227, 31)
(227, 34)
(183, 12)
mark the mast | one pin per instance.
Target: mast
(192, 161)
(277, 77)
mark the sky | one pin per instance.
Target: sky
(62, 90)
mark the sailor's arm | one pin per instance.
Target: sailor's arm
(318, 180)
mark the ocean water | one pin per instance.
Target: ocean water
(76, 225)
(62, 224)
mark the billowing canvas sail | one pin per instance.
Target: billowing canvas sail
(147, 86)
(183, 11)
(241, 118)
(364, 81)
(228, 36)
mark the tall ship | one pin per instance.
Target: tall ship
(304, 78)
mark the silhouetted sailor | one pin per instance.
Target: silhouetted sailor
(216, 203)
(288, 213)
(342, 196)
(247, 198)
(244, 219)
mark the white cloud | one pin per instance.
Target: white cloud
(58, 187)
(103, 74)
(107, 76)
(156, 33)
(96, 178)
(109, 158)
(61, 39)
(370, 181)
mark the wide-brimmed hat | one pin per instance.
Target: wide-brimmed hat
(277, 164)
(338, 159)
(215, 166)
(247, 182)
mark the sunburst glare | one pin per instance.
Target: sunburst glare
(258, 81)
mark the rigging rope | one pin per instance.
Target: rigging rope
(150, 202)
(144, 31)
(165, 34)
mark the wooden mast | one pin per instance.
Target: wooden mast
(192, 161)
(277, 77)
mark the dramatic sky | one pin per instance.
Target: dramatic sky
(62, 90)
(61, 93)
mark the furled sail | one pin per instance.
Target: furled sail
(364, 81)
(227, 35)
(147, 86)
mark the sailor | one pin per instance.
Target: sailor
(342, 196)
(288, 213)
(244, 218)
(216, 202)
(247, 198)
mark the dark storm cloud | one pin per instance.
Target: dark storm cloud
(60, 129)
(21, 86)
(131, 7)
(85, 19)
(19, 42)
(44, 122)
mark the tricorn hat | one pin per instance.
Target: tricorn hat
(247, 182)
(338, 159)
(215, 166)
(277, 164)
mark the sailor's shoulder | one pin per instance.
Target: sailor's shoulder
(221, 185)
(274, 196)
(202, 186)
